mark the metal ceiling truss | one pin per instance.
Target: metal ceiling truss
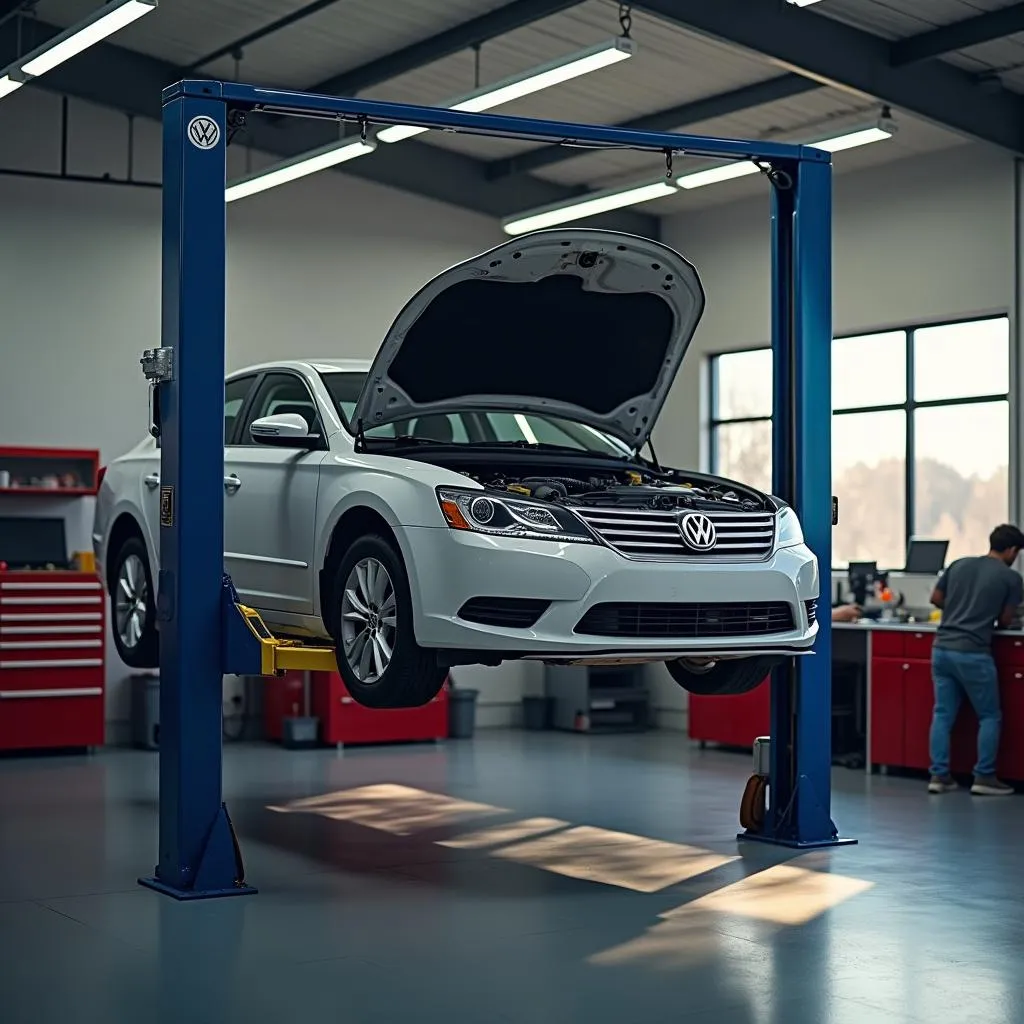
(849, 58)
(124, 80)
(982, 28)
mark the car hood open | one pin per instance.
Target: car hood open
(585, 324)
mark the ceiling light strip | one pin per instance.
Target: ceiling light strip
(588, 206)
(583, 62)
(298, 167)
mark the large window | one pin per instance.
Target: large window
(920, 434)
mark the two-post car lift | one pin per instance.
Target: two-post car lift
(204, 634)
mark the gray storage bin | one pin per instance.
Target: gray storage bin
(462, 713)
(145, 711)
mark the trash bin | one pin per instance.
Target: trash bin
(537, 712)
(300, 732)
(145, 711)
(462, 713)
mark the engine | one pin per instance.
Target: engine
(630, 489)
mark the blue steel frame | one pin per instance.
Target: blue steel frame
(198, 855)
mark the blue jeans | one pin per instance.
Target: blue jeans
(956, 673)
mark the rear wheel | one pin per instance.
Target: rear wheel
(723, 678)
(378, 658)
(133, 607)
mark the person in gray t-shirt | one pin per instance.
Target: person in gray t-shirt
(975, 595)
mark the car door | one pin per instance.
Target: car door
(270, 503)
(236, 391)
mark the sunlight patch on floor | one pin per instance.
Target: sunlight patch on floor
(615, 858)
(500, 835)
(399, 810)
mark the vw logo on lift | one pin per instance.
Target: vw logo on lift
(698, 532)
(203, 132)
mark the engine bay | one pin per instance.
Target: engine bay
(666, 490)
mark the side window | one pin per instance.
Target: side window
(283, 393)
(235, 394)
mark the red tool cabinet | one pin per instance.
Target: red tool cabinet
(731, 721)
(342, 720)
(52, 633)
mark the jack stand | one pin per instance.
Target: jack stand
(220, 871)
(753, 807)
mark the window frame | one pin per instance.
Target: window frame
(908, 407)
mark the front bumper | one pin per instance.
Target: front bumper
(447, 568)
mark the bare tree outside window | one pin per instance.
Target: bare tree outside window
(920, 435)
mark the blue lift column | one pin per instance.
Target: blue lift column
(198, 855)
(800, 778)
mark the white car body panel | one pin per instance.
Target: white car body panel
(288, 503)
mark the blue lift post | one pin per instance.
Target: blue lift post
(198, 854)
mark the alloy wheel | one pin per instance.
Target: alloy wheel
(368, 621)
(132, 600)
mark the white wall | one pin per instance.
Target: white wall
(317, 268)
(921, 239)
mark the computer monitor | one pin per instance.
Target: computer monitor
(926, 557)
(861, 577)
(30, 543)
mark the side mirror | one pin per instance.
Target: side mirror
(288, 430)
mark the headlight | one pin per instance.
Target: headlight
(788, 532)
(510, 517)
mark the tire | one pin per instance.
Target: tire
(133, 615)
(370, 616)
(725, 678)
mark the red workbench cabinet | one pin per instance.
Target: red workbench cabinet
(734, 721)
(887, 732)
(343, 721)
(49, 472)
(52, 671)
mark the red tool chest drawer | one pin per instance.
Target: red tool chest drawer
(51, 660)
(342, 720)
(734, 721)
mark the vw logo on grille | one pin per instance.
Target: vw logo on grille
(698, 532)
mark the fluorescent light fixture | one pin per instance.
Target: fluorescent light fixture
(801, 3)
(298, 167)
(105, 21)
(713, 175)
(8, 85)
(883, 129)
(586, 206)
(543, 77)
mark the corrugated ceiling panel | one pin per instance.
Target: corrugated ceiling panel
(895, 19)
(671, 67)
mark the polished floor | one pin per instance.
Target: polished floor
(517, 877)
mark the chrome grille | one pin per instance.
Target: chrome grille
(644, 533)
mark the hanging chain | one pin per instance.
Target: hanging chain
(476, 65)
(668, 163)
(625, 19)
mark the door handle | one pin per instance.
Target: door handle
(152, 481)
(232, 483)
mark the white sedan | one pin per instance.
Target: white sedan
(477, 493)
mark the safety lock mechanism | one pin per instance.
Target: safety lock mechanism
(158, 364)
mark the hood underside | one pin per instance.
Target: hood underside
(584, 324)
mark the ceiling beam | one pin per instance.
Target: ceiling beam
(673, 119)
(849, 58)
(229, 49)
(471, 33)
(981, 28)
(131, 82)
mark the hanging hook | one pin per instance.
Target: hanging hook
(363, 127)
(668, 163)
(625, 19)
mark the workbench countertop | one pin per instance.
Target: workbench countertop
(865, 625)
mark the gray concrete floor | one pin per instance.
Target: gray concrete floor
(417, 883)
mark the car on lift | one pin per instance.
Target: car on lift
(478, 492)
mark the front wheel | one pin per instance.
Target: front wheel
(134, 607)
(378, 658)
(723, 678)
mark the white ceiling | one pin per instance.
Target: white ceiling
(671, 67)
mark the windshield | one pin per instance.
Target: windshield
(477, 427)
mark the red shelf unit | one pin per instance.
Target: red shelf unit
(52, 629)
(75, 472)
(342, 720)
(734, 721)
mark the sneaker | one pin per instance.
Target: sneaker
(941, 784)
(989, 785)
